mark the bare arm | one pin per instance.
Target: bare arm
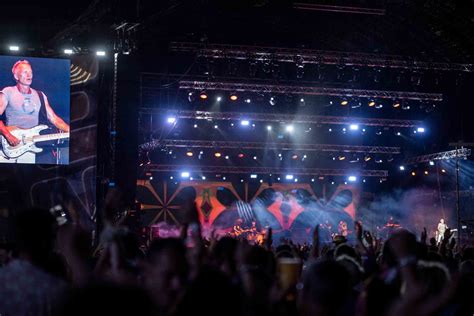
(53, 118)
(12, 140)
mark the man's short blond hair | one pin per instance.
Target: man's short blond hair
(18, 64)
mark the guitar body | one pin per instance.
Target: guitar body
(28, 138)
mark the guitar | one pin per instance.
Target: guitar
(28, 138)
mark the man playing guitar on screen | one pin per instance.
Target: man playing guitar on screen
(23, 107)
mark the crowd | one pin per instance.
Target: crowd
(53, 270)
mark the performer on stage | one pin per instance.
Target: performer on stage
(441, 230)
(22, 106)
(237, 228)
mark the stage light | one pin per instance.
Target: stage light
(254, 157)
(396, 105)
(413, 173)
(332, 182)
(233, 97)
(203, 96)
(371, 103)
(405, 107)
(443, 170)
(14, 48)
(379, 106)
(426, 172)
(189, 154)
(356, 105)
(296, 179)
(191, 178)
(203, 177)
(402, 168)
(302, 100)
(247, 101)
(354, 127)
(190, 96)
(352, 178)
(219, 99)
(312, 180)
(261, 181)
(278, 178)
(241, 155)
(68, 51)
(344, 102)
(344, 129)
(289, 177)
(367, 158)
(330, 130)
(378, 161)
(290, 128)
(420, 129)
(363, 130)
(171, 178)
(363, 180)
(431, 163)
(100, 53)
(272, 101)
(195, 125)
(171, 120)
(184, 174)
(399, 134)
(216, 126)
(245, 123)
(253, 176)
(218, 155)
(232, 124)
(294, 157)
(241, 180)
(227, 157)
(279, 155)
(269, 127)
(151, 178)
(341, 158)
(224, 178)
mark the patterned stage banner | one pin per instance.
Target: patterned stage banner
(290, 209)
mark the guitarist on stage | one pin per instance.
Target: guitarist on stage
(25, 107)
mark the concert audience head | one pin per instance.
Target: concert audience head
(166, 271)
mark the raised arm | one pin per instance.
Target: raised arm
(12, 140)
(53, 118)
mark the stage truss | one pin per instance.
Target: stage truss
(307, 90)
(278, 118)
(167, 143)
(457, 153)
(311, 56)
(265, 170)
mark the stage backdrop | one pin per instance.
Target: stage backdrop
(291, 209)
(74, 184)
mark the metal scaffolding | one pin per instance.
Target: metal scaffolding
(273, 117)
(264, 170)
(311, 56)
(267, 146)
(457, 153)
(308, 90)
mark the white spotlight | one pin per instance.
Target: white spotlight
(100, 53)
(420, 129)
(203, 177)
(354, 127)
(402, 168)
(352, 178)
(184, 174)
(68, 51)
(290, 128)
(269, 127)
(431, 163)
(245, 123)
(219, 99)
(289, 177)
(14, 48)
(171, 120)
(216, 126)
(247, 101)
(253, 176)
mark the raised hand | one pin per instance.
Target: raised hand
(424, 235)
(358, 230)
